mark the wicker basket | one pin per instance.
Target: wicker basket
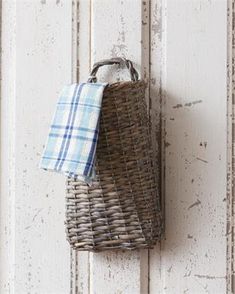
(121, 209)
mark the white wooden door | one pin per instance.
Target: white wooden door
(184, 48)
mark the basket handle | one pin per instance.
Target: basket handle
(116, 60)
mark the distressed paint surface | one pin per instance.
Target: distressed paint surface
(36, 63)
(124, 39)
(193, 253)
(7, 149)
(175, 40)
(104, 269)
(180, 47)
(80, 261)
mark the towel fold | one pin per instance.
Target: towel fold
(71, 143)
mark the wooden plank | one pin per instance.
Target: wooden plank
(80, 280)
(40, 64)
(124, 39)
(193, 256)
(7, 213)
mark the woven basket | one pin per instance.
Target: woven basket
(121, 209)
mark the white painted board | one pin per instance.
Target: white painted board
(36, 64)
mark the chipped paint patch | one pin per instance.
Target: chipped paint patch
(192, 103)
(178, 106)
(198, 202)
(200, 159)
(188, 104)
(156, 25)
(208, 277)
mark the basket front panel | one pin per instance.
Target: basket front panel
(121, 208)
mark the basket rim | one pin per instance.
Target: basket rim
(134, 83)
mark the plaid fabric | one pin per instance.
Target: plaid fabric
(72, 140)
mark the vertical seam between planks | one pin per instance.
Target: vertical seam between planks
(90, 29)
(162, 110)
(146, 69)
(149, 103)
(162, 125)
(90, 57)
(149, 53)
(230, 147)
(74, 78)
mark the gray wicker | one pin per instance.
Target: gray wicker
(121, 209)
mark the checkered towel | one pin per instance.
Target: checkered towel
(72, 140)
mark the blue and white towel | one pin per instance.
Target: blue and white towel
(72, 140)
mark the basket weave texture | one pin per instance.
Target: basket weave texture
(121, 209)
